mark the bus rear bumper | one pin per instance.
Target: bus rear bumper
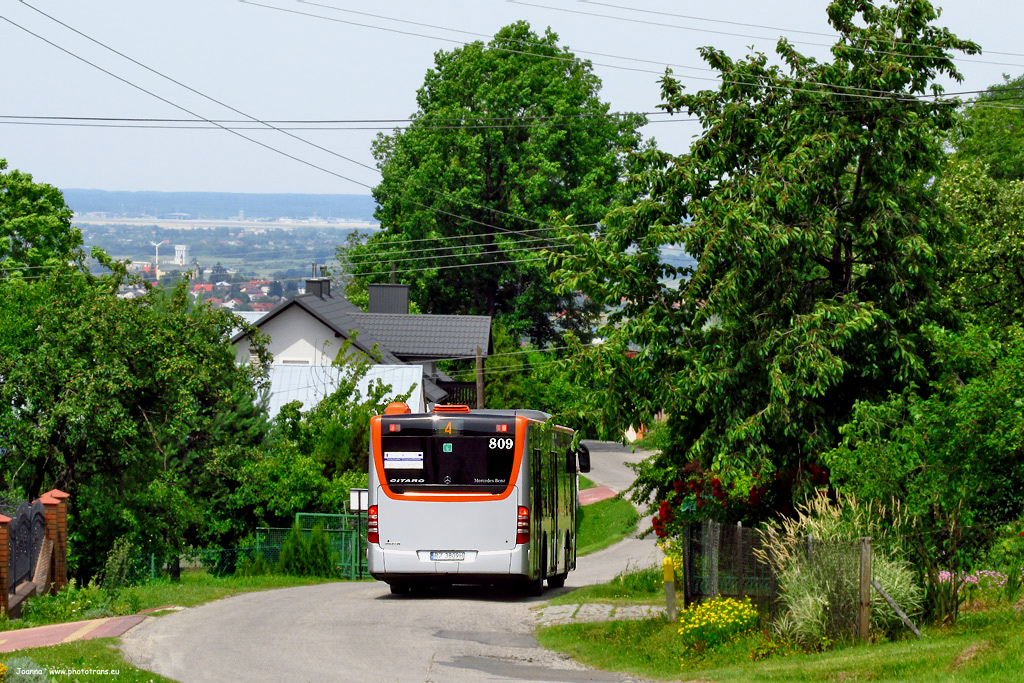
(482, 566)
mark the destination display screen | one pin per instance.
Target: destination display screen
(450, 454)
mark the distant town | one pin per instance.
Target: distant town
(242, 252)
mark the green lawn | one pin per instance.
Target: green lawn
(604, 523)
(100, 657)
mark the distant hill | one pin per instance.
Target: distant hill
(220, 205)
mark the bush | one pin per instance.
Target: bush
(257, 566)
(321, 557)
(294, 560)
(119, 569)
(818, 582)
(312, 557)
(23, 670)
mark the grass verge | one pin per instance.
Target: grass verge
(638, 587)
(92, 661)
(604, 523)
(196, 588)
(986, 647)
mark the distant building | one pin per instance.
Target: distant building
(181, 256)
(310, 329)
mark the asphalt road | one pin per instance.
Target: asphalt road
(360, 632)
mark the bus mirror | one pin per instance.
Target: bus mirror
(584, 458)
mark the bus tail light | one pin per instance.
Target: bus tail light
(371, 525)
(523, 525)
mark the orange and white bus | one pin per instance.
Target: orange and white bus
(472, 496)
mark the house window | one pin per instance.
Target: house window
(294, 362)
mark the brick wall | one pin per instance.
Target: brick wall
(56, 504)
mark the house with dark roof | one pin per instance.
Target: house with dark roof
(312, 328)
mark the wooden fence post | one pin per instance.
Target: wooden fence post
(687, 566)
(5, 558)
(864, 616)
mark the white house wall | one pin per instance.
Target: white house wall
(297, 338)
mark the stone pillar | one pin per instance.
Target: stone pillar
(5, 558)
(60, 545)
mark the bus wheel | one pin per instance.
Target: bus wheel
(534, 587)
(399, 588)
(557, 581)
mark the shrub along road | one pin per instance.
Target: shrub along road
(359, 631)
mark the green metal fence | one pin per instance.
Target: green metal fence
(345, 533)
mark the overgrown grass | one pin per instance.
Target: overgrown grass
(986, 646)
(604, 523)
(94, 656)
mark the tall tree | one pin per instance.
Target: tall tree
(993, 130)
(807, 206)
(134, 406)
(35, 223)
(505, 135)
(986, 280)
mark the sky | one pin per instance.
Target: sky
(356, 64)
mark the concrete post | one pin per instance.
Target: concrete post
(668, 570)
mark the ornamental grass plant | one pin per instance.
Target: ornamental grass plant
(815, 558)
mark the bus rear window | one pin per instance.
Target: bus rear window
(440, 457)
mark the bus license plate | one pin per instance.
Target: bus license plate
(447, 555)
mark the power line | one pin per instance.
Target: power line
(178, 106)
(760, 26)
(753, 37)
(448, 40)
(178, 124)
(257, 120)
(851, 91)
(339, 275)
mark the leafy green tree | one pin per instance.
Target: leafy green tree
(134, 406)
(993, 130)
(952, 458)
(986, 277)
(505, 135)
(35, 223)
(807, 207)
